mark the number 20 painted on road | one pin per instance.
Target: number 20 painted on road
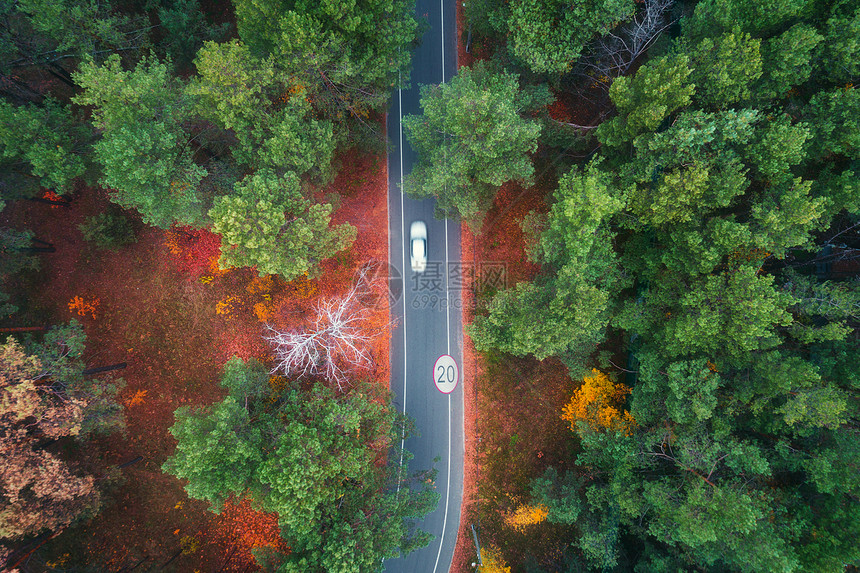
(446, 374)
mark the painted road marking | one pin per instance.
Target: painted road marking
(447, 333)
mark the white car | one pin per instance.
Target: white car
(418, 246)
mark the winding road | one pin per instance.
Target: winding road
(427, 307)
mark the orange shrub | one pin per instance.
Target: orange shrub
(598, 403)
(84, 307)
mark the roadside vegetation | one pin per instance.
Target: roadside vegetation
(673, 385)
(186, 188)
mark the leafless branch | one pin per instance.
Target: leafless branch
(338, 340)
(612, 55)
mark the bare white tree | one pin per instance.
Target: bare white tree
(338, 340)
(612, 55)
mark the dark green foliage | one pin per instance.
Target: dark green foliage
(834, 117)
(348, 55)
(40, 146)
(13, 261)
(50, 36)
(310, 456)
(645, 100)
(60, 352)
(267, 111)
(185, 28)
(549, 35)
(218, 449)
(732, 153)
(787, 61)
(109, 230)
(713, 17)
(144, 151)
(267, 223)
(472, 138)
(725, 68)
(567, 309)
(840, 54)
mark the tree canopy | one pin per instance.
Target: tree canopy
(267, 223)
(695, 233)
(315, 458)
(45, 397)
(347, 55)
(473, 137)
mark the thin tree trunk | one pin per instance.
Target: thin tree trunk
(169, 561)
(24, 329)
(11, 566)
(100, 369)
(129, 463)
(228, 558)
(49, 202)
(142, 560)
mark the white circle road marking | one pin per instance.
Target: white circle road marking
(446, 374)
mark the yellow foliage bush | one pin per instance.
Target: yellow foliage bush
(598, 403)
(492, 560)
(225, 306)
(526, 515)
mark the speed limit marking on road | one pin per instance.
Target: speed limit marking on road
(446, 374)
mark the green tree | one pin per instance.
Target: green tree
(744, 382)
(658, 89)
(13, 261)
(60, 352)
(787, 61)
(51, 35)
(712, 17)
(725, 68)
(109, 230)
(347, 55)
(218, 449)
(186, 28)
(549, 35)
(145, 153)
(833, 117)
(37, 489)
(267, 223)
(43, 398)
(269, 114)
(41, 146)
(840, 52)
(566, 310)
(312, 457)
(734, 313)
(472, 138)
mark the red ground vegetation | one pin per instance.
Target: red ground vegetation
(175, 319)
(194, 251)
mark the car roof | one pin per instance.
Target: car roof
(418, 247)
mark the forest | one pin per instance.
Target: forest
(672, 382)
(194, 305)
(669, 381)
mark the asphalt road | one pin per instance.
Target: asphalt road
(428, 309)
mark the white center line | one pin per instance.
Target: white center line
(447, 331)
(402, 261)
